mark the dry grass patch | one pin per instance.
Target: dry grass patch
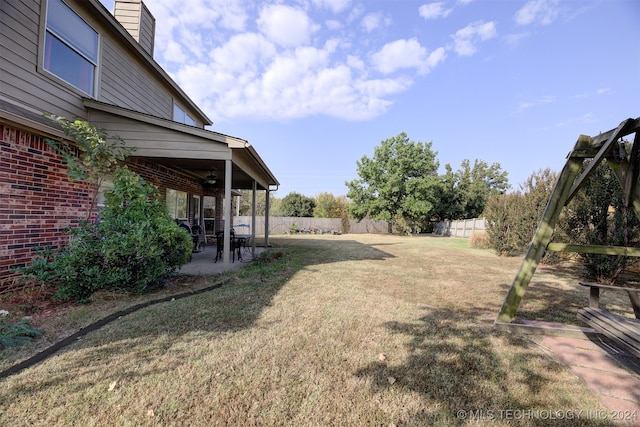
(339, 330)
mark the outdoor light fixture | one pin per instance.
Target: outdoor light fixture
(210, 179)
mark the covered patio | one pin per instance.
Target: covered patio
(202, 263)
(214, 165)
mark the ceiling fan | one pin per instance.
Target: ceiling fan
(210, 179)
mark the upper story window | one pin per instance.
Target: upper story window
(70, 47)
(179, 115)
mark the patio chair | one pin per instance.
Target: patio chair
(199, 239)
(220, 245)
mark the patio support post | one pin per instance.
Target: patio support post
(227, 213)
(266, 219)
(253, 219)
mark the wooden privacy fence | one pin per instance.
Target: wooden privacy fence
(460, 228)
(283, 225)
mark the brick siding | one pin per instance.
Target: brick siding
(37, 200)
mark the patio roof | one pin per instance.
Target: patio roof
(195, 151)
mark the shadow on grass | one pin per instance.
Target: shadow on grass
(457, 367)
(234, 302)
(455, 361)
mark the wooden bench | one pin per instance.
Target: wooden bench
(594, 295)
(623, 330)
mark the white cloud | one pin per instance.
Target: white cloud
(250, 77)
(284, 67)
(514, 39)
(465, 39)
(174, 53)
(336, 6)
(373, 21)
(541, 12)
(530, 104)
(177, 22)
(406, 54)
(248, 51)
(434, 10)
(584, 95)
(332, 24)
(285, 25)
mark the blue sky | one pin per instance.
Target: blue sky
(314, 85)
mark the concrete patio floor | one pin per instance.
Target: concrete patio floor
(203, 263)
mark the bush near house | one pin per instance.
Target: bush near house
(133, 245)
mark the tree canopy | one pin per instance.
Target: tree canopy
(296, 204)
(398, 184)
(329, 206)
(464, 193)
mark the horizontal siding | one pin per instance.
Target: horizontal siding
(157, 141)
(147, 31)
(125, 85)
(19, 77)
(123, 79)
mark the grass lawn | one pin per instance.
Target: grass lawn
(336, 330)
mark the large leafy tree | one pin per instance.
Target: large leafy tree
(477, 183)
(464, 193)
(398, 184)
(246, 203)
(296, 204)
(329, 206)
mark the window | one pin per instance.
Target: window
(177, 204)
(70, 47)
(209, 211)
(179, 115)
(196, 210)
(105, 187)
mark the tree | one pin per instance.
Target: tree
(245, 203)
(463, 194)
(95, 156)
(398, 184)
(329, 206)
(512, 219)
(296, 204)
(597, 216)
(477, 183)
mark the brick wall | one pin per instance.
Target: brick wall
(37, 201)
(164, 177)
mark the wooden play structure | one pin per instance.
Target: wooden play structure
(624, 159)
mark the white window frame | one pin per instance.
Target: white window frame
(177, 204)
(181, 116)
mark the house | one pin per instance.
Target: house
(74, 58)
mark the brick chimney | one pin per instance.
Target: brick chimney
(138, 21)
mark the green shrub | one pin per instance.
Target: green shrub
(597, 216)
(16, 333)
(512, 219)
(133, 245)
